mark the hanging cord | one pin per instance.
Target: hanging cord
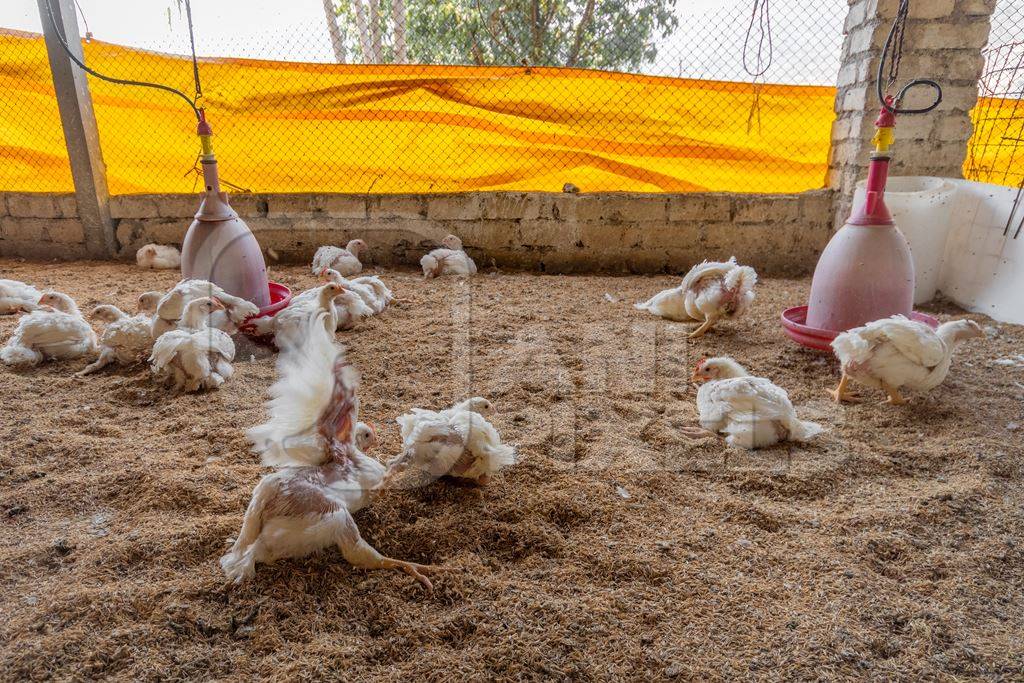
(894, 44)
(760, 16)
(192, 43)
(85, 22)
(110, 79)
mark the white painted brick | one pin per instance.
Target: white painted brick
(855, 99)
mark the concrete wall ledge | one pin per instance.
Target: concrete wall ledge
(550, 232)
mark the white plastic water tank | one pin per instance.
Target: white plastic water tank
(922, 208)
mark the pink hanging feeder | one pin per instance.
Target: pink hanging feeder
(865, 272)
(219, 246)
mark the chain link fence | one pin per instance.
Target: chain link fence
(393, 96)
(996, 148)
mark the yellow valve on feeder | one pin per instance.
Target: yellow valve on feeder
(885, 126)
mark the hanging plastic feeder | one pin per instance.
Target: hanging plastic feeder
(219, 246)
(865, 272)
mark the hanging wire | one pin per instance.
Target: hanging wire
(761, 16)
(85, 22)
(119, 81)
(192, 42)
(894, 45)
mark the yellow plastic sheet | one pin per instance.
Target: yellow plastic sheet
(294, 127)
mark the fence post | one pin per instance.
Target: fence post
(80, 133)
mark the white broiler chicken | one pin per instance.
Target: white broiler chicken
(126, 339)
(896, 353)
(291, 325)
(371, 289)
(158, 257)
(710, 292)
(56, 330)
(171, 307)
(457, 442)
(17, 297)
(322, 478)
(450, 259)
(751, 411)
(345, 261)
(195, 356)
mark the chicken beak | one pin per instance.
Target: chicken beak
(695, 377)
(217, 303)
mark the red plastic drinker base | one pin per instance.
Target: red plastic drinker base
(794, 322)
(280, 297)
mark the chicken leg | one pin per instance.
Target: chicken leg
(705, 326)
(893, 394)
(840, 394)
(361, 554)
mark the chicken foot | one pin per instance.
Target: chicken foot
(893, 395)
(361, 554)
(840, 393)
(704, 327)
(696, 432)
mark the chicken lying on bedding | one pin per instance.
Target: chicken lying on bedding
(17, 297)
(158, 257)
(291, 325)
(345, 261)
(457, 442)
(171, 308)
(752, 411)
(710, 292)
(55, 330)
(322, 478)
(450, 259)
(126, 339)
(195, 356)
(371, 289)
(896, 353)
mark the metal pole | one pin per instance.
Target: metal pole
(80, 134)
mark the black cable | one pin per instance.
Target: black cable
(119, 81)
(898, 26)
(761, 16)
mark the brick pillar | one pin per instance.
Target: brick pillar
(944, 39)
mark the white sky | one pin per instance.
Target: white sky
(708, 43)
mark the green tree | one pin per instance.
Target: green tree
(602, 34)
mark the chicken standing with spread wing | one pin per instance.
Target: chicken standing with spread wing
(322, 477)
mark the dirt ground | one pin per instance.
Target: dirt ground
(890, 547)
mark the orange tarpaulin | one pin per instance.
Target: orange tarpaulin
(290, 127)
(297, 127)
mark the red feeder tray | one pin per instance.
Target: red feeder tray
(280, 297)
(794, 323)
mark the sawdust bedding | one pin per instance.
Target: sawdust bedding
(891, 547)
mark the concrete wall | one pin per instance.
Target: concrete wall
(943, 42)
(540, 231)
